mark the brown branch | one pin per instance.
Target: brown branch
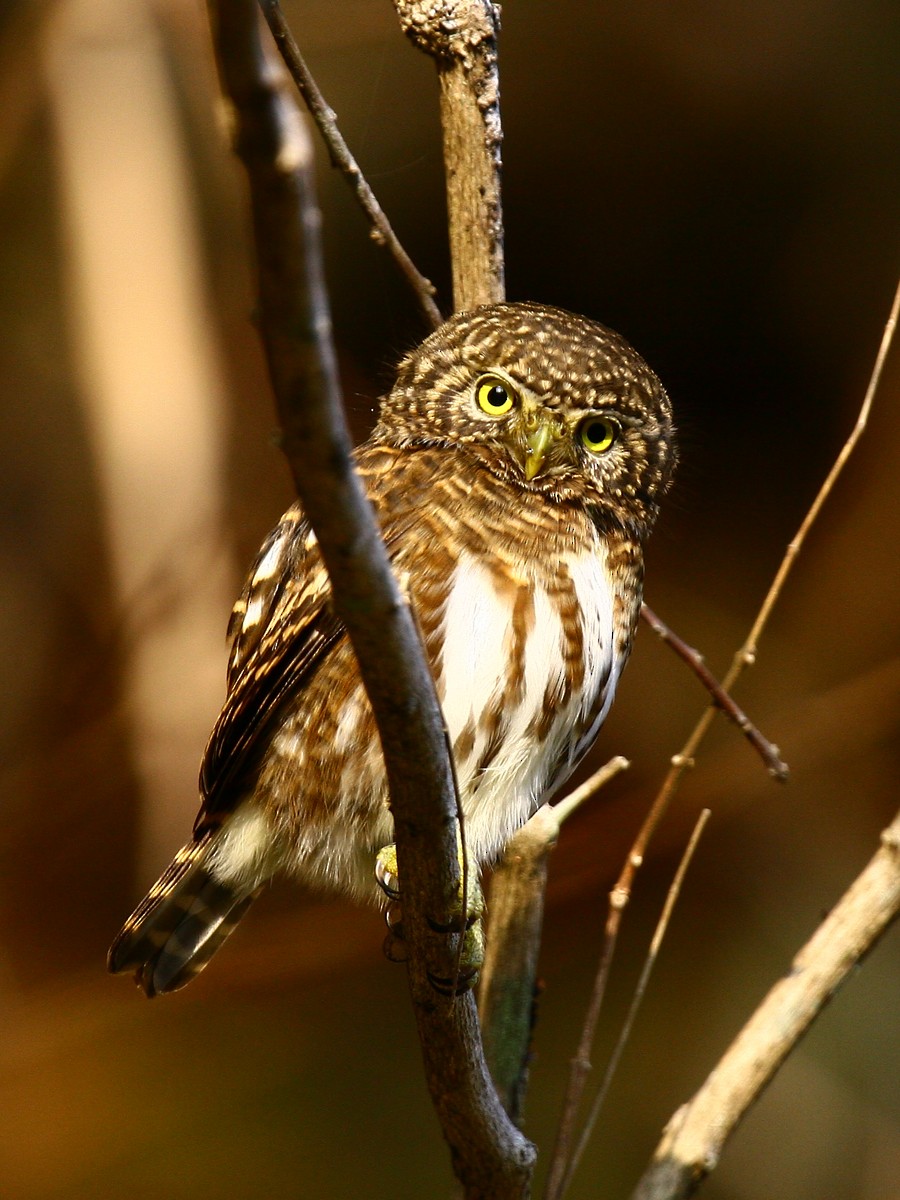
(746, 656)
(768, 752)
(490, 1156)
(694, 1138)
(573, 800)
(343, 160)
(621, 892)
(508, 978)
(461, 36)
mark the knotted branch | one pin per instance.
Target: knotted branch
(461, 36)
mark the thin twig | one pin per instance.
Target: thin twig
(746, 656)
(694, 1137)
(636, 1000)
(343, 160)
(768, 752)
(580, 1065)
(295, 326)
(461, 36)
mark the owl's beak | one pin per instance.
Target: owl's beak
(538, 441)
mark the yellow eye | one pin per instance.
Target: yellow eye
(495, 396)
(598, 434)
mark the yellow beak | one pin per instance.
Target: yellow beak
(538, 440)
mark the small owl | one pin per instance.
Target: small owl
(515, 470)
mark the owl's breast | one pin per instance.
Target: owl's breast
(526, 668)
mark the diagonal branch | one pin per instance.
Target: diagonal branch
(636, 1000)
(746, 655)
(768, 752)
(487, 1149)
(339, 151)
(694, 1138)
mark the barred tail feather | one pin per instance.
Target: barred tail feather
(182, 922)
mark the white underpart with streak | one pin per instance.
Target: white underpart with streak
(478, 637)
(478, 647)
(595, 596)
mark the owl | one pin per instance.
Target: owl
(515, 470)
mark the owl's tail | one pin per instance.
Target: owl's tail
(180, 924)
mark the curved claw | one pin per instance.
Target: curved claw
(386, 872)
(463, 983)
(395, 948)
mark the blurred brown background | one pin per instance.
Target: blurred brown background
(717, 181)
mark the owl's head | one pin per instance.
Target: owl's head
(557, 404)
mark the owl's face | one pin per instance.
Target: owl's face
(550, 401)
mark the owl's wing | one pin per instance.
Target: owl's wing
(281, 628)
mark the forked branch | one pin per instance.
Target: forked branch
(621, 892)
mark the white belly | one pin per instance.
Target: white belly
(479, 642)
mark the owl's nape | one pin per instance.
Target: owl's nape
(516, 470)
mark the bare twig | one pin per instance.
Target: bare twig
(693, 1139)
(649, 963)
(746, 656)
(488, 1151)
(340, 155)
(580, 1065)
(461, 36)
(508, 978)
(768, 752)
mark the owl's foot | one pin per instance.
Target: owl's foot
(466, 919)
(469, 909)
